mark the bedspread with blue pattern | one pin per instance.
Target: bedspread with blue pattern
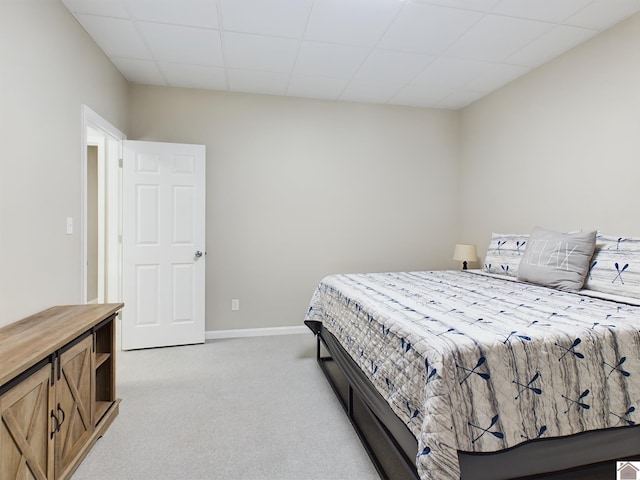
(479, 364)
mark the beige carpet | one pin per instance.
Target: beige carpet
(251, 408)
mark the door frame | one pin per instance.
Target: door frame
(112, 188)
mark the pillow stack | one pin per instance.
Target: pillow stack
(574, 261)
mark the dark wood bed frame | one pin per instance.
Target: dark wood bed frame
(393, 448)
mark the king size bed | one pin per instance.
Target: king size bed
(469, 374)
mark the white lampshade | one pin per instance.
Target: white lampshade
(465, 253)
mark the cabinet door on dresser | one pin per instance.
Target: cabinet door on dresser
(74, 403)
(26, 426)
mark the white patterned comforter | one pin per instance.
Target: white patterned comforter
(479, 364)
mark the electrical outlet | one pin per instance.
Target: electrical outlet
(235, 304)
(69, 225)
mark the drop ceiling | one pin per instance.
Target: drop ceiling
(425, 53)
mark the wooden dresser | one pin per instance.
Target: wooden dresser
(57, 389)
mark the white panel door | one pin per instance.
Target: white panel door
(163, 236)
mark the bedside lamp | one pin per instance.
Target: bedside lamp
(465, 253)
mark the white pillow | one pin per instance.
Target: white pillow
(504, 253)
(615, 267)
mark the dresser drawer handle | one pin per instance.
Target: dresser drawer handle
(56, 424)
(63, 417)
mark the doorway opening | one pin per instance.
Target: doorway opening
(101, 263)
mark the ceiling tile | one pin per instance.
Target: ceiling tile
(353, 22)
(393, 67)
(258, 82)
(550, 45)
(495, 77)
(257, 52)
(194, 76)
(420, 97)
(486, 40)
(451, 72)
(316, 87)
(459, 99)
(170, 43)
(199, 13)
(477, 5)
(115, 36)
(427, 29)
(109, 8)
(139, 71)
(282, 18)
(358, 91)
(602, 14)
(546, 10)
(328, 60)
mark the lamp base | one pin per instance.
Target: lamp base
(464, 265)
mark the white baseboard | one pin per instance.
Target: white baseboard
(254, 332)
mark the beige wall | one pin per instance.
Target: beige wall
(559, 147)
(49, 67)
(298, 189)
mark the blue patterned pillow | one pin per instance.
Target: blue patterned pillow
(505, 252)
(615, 266)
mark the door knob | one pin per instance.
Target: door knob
(198, 254)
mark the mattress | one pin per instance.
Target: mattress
(479, 364)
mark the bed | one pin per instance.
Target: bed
(469, 374)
